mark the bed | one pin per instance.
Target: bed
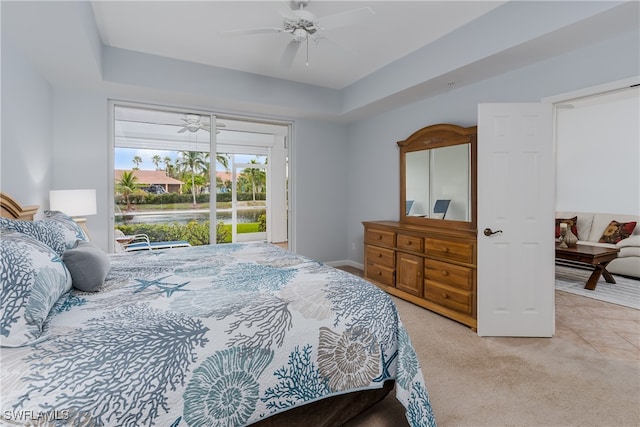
(224, 335)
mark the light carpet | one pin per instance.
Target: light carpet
(515, 382)
(511, 382)
(624, 292)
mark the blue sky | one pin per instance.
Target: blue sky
(124, 158)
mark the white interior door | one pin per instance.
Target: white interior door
(516, 202)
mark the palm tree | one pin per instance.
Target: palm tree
(156, 159)
(137, 160)
(256, 177)
(168, 167)
(194, 161)
(206, 172)
(126, 185)
(223, 159)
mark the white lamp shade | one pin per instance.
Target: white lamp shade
(73, 202)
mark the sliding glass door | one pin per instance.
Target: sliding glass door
(162, 174)
(167, 184)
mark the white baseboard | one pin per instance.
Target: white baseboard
(347, 262)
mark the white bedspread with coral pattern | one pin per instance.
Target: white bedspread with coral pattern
(213, 335)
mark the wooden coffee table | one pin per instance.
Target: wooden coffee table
(596, 256)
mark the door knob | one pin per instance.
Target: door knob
(489, 232)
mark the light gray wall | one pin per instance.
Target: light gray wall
(319, 177)
(598, 154)
(373, 173)
(26, 150)
(81, 152)
(80, 138)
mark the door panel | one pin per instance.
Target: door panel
(516, 178)
(409, 273)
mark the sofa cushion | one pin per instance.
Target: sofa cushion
(583, 224)
(617, 231)
(629, 251)
(633, 241)
(571, 222)
(601, 245)
(602, 220)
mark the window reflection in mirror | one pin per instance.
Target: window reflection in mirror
(417, 176)
(439, 174)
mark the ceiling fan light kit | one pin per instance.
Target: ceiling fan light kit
(299, 35)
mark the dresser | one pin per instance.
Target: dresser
(429, 257)
(430, 267)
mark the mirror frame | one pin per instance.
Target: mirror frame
(435, 136)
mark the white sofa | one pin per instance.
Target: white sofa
(592, 225)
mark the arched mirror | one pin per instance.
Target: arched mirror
(438, 177)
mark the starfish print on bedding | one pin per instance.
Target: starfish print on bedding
(168, 288)
(144, 284)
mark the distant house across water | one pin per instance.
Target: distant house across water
(153, 178)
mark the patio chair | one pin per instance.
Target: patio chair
(440, 208)
(409, 205)
(139, 242)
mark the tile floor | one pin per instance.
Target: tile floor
(598, 326)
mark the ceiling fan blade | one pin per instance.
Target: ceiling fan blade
(251, 31)
(285, 11)
(289, 53)
(184, 129)
(343, 19)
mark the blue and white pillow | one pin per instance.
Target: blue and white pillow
(58, 231)
(33, 279)
(74, 231)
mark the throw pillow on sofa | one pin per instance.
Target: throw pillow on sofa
(571, 222)
(617, 231)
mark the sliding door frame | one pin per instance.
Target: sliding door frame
(255, 123)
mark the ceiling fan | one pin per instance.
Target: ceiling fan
(194, 124)
(304, 25)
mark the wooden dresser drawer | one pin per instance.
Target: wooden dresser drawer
(450, 274)
(380, 237)
(448, 250)
(380, 273)
(410, 243)
(452, 298)
(381, 256)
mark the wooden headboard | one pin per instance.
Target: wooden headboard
(12, 209)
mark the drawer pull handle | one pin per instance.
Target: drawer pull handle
(445, 249)
(444, 295)
(379, 255)
(408, 242)
(445, 273)
(379, 273)
(379, 236)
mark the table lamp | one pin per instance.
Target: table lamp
(75, 203)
